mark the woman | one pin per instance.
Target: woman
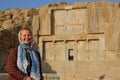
(23, 63)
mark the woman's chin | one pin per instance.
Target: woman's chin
(26, 43)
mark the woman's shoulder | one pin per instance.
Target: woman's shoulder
(36, 52)
(14, 49)
(12, 54)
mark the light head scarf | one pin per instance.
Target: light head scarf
(22, 60)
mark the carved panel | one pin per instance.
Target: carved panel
(54, 51)
(71, 22)
(71, 50)
(94, 45)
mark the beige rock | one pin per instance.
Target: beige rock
(76, 41)
(8, 24)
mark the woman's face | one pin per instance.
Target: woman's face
(26, 36)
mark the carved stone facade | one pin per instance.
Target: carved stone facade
(79, 41)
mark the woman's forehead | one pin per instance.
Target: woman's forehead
(25, 31)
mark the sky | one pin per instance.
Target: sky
(21, 4)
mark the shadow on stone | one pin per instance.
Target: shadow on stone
(102, 77)
(8, 40)
(46, 68)
(48, 72)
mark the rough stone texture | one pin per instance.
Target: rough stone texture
(77, 41)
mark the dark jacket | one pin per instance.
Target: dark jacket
(11, 66)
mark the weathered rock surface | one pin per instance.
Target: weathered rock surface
(78, 41)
